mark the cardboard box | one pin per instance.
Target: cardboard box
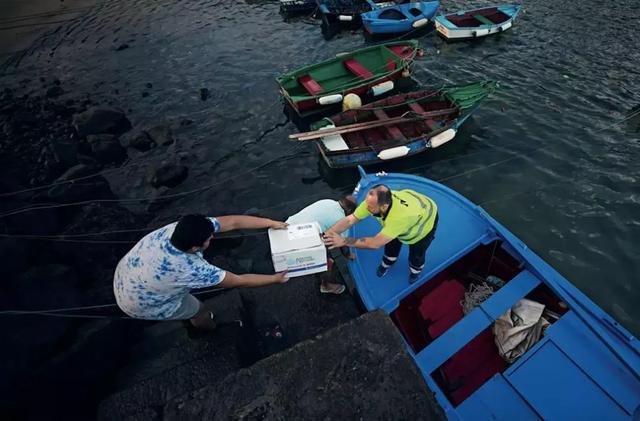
(298, 249)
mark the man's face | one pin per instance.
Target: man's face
(372, 202)
(205, 245)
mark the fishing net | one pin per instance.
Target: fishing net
(475, 295)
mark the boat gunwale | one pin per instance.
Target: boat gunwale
(442, 18)
(402, 64)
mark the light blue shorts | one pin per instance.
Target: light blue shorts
(190, 307)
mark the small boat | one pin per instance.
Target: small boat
(323, 84)
(291, 7)
(476, 23)
(399, 18)
(339, 14)
(584, 365)
(417, 121)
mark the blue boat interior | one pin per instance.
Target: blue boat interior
(578, 369)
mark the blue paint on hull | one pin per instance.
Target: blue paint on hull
(586, 366)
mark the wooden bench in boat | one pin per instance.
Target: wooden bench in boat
(417, 108)
(484, 20)
(312, 87)
(355, 67)
(393, 131)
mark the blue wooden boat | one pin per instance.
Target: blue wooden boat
(585, 366)
(399, 18)
(432, 118)
(345, 14)
(476, 23)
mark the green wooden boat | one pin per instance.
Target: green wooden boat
(367, 72)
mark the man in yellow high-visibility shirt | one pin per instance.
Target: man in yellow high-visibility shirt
(406, 216)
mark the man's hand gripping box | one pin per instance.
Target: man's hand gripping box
(298, 249)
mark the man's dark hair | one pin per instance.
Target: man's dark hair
(348, 204)
(383, 194)
(191, 231)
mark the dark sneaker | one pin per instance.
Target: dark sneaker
(381, 271)
(413, 277)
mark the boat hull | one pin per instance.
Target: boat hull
(447, 109)
(585, 366)
(356, 72)
(406, 17)
(468, 27)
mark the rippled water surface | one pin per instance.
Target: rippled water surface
(543, 156)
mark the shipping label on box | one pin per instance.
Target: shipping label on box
(298, 249)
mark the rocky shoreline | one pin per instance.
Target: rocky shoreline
(55, 148)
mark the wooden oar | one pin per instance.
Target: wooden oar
(316, 134)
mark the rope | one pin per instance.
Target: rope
(77, 238)
(137, 162)
(150, 198)
(57, 312)
(474, 296)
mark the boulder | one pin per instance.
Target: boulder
(161, 135)
(169, 175)
(64, 150)
(142, 142)
(93, 187)
(99, 120)
(106, 148)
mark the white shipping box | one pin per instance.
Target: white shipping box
(298, 249)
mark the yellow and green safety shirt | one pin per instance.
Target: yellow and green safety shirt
(410, 218)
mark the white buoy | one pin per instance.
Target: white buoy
(392, 153)
(330, 99)
(382, 88)
(442, 138)
(420, 22)
(345, 18)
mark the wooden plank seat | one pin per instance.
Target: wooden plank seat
(483, 20)
(312, 87)
(393, 131)
(355, 67)
(417, 108)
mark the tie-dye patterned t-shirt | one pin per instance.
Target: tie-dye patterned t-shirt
(152, 279)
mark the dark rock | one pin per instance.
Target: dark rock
(14, 256)
(186, 122)
(65, 151)
(55, 284)
(149, 85)
(24, 118)
(169, 175)
(122, 47)
(359, 370)
(54, 91)
(99, 120)
(145, 94)
(204, 94)
(56, 82)
(106, 148)
(161, 135)
(67, 188)
(142, 142)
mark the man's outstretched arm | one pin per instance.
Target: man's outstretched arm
(343, 224)
(333, 240)
(236, 222)
(231, 280)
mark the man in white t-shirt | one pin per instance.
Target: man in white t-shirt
(154, 279)
(326, 213)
